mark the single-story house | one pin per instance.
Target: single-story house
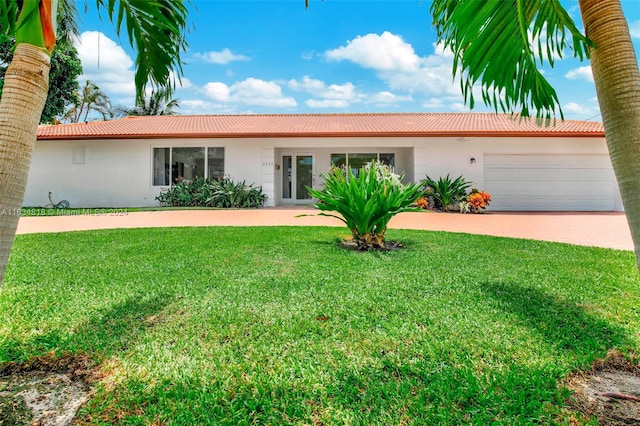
(127, 162)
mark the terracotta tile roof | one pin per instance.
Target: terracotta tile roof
(316, 125)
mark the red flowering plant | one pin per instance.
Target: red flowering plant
(478, 200)
(422, 202)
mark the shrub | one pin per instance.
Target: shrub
(446, 192)
(422, 202)
(221, 193)
(478, 200)
(366, 202)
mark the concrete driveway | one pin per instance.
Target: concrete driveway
(606, 229)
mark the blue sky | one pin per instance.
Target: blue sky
(338, 56)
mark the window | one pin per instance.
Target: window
(339, 160)
(356, 161)
(172, 165)
(186, 164)
(215, 159)
(161, 161)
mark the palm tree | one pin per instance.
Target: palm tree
(155, 29)
(500, 44)
(90, 99)
(159, 102)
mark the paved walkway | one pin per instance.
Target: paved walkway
(605, 229)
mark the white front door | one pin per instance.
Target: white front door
(298, 173)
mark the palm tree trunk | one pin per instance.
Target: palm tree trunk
(23, 97)
(617, 80)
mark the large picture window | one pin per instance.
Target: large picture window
(355, 161)
(173, 165)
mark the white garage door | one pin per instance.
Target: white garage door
(550, 182)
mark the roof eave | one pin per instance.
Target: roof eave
(544, 134)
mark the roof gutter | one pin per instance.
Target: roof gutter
(288, 135)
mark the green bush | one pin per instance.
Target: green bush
(366, 202)
(446, 192)
(221, 193)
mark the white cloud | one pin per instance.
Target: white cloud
(341, 95)
(181, 83)
(582, 111)
(345, 91)
(433, 103)
(397, 64)
(307, 84)
(574, 108)
(442, 51)
(634, 29)
(196, 104)
(199, 106)
(106, 64)
(582, 73)
(221, 58)
(326, 103)
(332, 96)
(386, 97)
(385, 52)
(457, 106)
(252, 91)
(217, 91)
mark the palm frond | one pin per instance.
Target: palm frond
(156, 30)
(501, 44)
(8, 16)
(67, 20)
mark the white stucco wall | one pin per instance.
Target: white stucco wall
(118, 173)
(441, 156)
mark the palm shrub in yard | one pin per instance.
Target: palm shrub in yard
(366, 202)
(445, 191)
(210, 192)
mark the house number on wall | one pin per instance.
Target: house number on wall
(267, 163)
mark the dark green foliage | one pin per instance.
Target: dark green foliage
(446, 192)
(221, 193)
(367, 202)
(63, 83)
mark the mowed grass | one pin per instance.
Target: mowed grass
(279, 325)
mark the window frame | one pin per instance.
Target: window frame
(346, 155)
(171, 153)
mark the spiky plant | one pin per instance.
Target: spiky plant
(366, 202)
(445, 191)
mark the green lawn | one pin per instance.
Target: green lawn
(278, 325)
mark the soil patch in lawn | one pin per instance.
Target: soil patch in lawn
(45, 391)
(388, 246)
(610, 391)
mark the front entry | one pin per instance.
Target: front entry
(298, 172)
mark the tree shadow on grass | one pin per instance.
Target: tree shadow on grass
(562, 323)
(451, 391)
(118, 327)
(111, 329)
